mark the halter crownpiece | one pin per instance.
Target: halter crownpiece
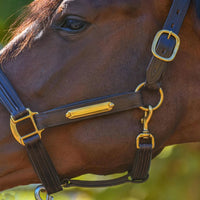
(164, 49)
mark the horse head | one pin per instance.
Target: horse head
(73, 50)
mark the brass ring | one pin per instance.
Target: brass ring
(159, 103)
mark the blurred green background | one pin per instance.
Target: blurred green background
(9, 10)
(174, 175)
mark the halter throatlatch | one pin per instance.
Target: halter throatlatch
(164, 49)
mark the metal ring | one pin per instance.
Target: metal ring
(39, 189)
(159, 103)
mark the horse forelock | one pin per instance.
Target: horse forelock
(32, 22)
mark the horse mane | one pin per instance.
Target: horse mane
(34, 19)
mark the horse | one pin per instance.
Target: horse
(67, 51)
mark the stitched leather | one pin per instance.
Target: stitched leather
(9, 98)
(142, 162)
(93, 184)
(104, 183)
(138, 174)
(42, 164)
(55, 117)
(165, 46)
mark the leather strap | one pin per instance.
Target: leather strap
(141, 163)
(104, 183)
(42, 164)
(93, 184)
(9, 98)
(36, 151)
(138, 174)
(197, 6)
(166, 45)
(55, 117)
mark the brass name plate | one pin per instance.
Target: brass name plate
(89, 110)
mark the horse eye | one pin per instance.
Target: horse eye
(73, 25)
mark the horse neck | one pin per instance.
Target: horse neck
(184, 81)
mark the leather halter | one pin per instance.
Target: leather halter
(164, 48)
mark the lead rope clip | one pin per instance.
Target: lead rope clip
(145, 134)
(40, 189)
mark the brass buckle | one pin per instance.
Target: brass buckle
(155, 42)
(145, 136)
(13, 126)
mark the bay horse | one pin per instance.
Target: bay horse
(66, 51)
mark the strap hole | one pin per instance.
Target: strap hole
(178, 11)
(172, 25)
(163, 51)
